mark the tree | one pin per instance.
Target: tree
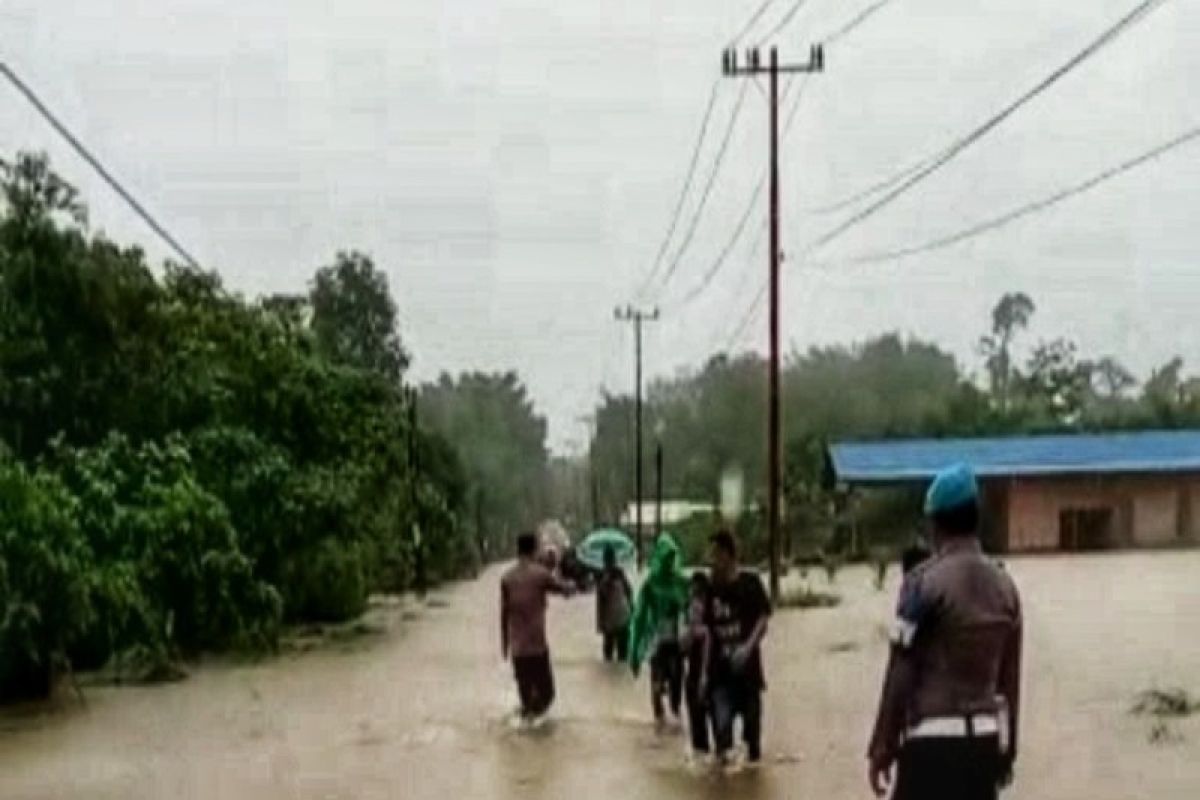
(1111, 379)
(1056, 383)
(490, 422)
(354, 316)
(1010, 315)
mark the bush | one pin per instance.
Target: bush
(44, 580)
(168, 570)
(327, 583)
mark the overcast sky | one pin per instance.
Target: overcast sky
(513, 164)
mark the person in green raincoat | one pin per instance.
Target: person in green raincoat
(658, 612)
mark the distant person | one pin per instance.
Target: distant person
(738, 616)
(523, 592)
(948, 714)
(614, 604)
(697, 645)
(655, 628)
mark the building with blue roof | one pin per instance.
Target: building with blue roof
(1057, 492)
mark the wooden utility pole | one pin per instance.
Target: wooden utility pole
(637, 317)
(658, 486)
(414, 467)
(752, 69)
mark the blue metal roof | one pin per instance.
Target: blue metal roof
(901, 460)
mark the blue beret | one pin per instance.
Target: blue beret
(951, 487)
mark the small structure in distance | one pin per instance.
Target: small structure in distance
(1068, 492)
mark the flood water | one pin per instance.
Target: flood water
(422, 711)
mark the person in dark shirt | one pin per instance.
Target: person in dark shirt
(697, 645)
(738, 613)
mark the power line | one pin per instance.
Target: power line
(754, 18)
(687, 185)
(783, 22)
(854, 22)
(1030, 208)
(87, 156)
(712, 178)
(873, 189)
(1105, 38)
(756, 305)
(719, 263)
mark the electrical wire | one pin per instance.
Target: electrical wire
(687, 185)
(708, 277)
(750, 315)
(854, 22)
(1027, 209)
(707, 192)
(754, 18)
(1109, 35)
(783, 22)
(87, 156)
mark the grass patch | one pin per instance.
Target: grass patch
(1165, 705)
(807, 597)
(1162, 703)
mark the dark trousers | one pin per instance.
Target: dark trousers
(535, 683)
(666, 677)
(697, 708)
(730, 700)
(959, 768)
(616, 644)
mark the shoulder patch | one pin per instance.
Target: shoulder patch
(913, 609)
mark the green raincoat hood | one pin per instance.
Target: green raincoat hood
(662, 598)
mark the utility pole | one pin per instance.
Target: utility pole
(637, 317)
(590, 421)
(752, 69)
(658, 487)
(413, 479)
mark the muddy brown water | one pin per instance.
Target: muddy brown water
(422, 711)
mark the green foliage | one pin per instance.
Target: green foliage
(181, 469)
(712, 421)
(44, 579)
(490, 422)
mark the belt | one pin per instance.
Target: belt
(955, 727)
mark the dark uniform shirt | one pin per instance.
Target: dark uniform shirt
(956, 645)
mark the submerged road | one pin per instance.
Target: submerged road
(422, 712)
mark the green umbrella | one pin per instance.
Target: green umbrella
(591, 549)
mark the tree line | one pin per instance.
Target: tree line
(711, 422)
(184, 469)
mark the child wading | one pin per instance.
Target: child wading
(661, 605)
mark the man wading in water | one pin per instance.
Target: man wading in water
(739, 610)
(523, 592)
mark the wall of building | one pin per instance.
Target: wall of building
(1146, 510)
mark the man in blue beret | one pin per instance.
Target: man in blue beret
(947, 721)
